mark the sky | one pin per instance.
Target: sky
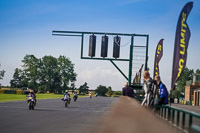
(26, 28)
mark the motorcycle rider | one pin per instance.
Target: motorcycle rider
(31, 94)
(66, 94)
(75, 95)
(90, 95)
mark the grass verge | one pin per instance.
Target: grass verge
(15, 97)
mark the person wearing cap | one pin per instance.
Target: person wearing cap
(127, 90)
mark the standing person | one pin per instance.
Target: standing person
(161, 92)
(127, 90)
(149, 89)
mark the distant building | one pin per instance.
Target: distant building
(72, 91)
(192, 90)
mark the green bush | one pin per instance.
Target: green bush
(9, 92)
(26, 92)
(117, 92)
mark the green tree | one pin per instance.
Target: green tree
(176, 93)
(84, 88)
(49, 73)
(181, 83)
(17, 82)
(198, 71)
(31, 70)
(2, 72)
(56, 74)
(109, 92)
(117, 92)
(185, 76)
(66, 72)
(101, 90)
(46, 74)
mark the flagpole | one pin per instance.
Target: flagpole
(170, 95)
(182, 38)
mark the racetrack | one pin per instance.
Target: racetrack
(50, 116)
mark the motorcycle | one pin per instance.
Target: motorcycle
(67, 100)
(90, 96)
(31, 103)
(75, 97)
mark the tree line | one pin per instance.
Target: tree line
(51, 74)
(2, 72)
(187, 75)
(45, 74)
(101, 90)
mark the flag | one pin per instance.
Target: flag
(139, 74)
(181, 44)
(137, 79)
(158, 56)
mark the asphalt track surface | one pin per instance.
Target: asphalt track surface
(195, 109)
(50, 116)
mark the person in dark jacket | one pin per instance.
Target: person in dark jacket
(127, 90)
(161, 92)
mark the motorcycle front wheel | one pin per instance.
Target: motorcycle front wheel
(75, 99)
(66, 103)
(29, 106)
(33, 104)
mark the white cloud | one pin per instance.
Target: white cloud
(100, 76)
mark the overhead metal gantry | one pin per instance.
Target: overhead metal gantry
(130, 59)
